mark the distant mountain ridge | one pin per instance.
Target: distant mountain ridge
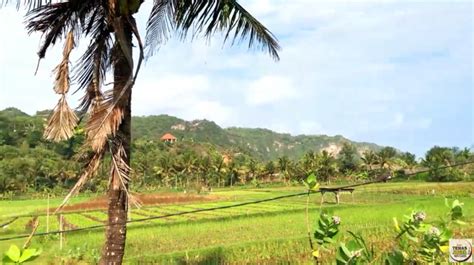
(260, 143)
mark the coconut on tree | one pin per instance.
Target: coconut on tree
(111, 27)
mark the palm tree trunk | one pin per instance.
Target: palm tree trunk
(116, 230)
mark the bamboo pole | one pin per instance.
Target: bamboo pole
(47, 217)
(61, 224)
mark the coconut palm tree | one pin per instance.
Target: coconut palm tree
(217, 167)
(409, 159)
(252, 166)
(327, 166)
(165, 169)
(111, 27)
(309, 162)
(386, 156)
(188, 165)
(204, 166)
(284, 165)
(269, 170)
(369, 158)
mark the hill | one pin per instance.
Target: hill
(263, 144)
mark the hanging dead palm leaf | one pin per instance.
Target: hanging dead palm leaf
(63, 83)
(120, 172)
(62, 122)
(104, 122)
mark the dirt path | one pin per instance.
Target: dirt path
(144, 199)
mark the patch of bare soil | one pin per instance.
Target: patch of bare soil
(144, 199)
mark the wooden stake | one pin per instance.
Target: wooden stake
(35, 227)
(47, 217)
(60, 231)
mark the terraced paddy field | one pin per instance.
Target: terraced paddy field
(265, 233)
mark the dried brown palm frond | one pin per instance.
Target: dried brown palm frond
(134, 201)
(91, 101)
(120, 172)
(62, 82)
(62, 122)
(90, 170)
(104, 122)
(120, 169)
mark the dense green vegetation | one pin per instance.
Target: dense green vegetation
(205, 156)
(261, 144)
(267, 233)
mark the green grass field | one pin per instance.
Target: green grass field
(266, 233)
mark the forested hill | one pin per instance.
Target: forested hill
(17, 128)
(259, 143)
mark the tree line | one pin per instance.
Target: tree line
(28, 163)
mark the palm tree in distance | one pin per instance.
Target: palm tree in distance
(111, 27)
(326, 166)
(386, 156)
(369, 158)
(284, 165)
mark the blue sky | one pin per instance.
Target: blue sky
(396, 73)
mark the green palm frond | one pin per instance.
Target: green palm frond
(92, 66)
(159, 26)
(207, 17)
(55, 20)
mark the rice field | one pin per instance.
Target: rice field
(265, 233)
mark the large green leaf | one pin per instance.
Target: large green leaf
(353, 245)
(13, 253)
(29, 254)
(345, 253)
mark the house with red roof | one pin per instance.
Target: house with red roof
(168, 138)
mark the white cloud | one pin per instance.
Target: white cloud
(185, 96)
(170, 91)
(270, 90)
